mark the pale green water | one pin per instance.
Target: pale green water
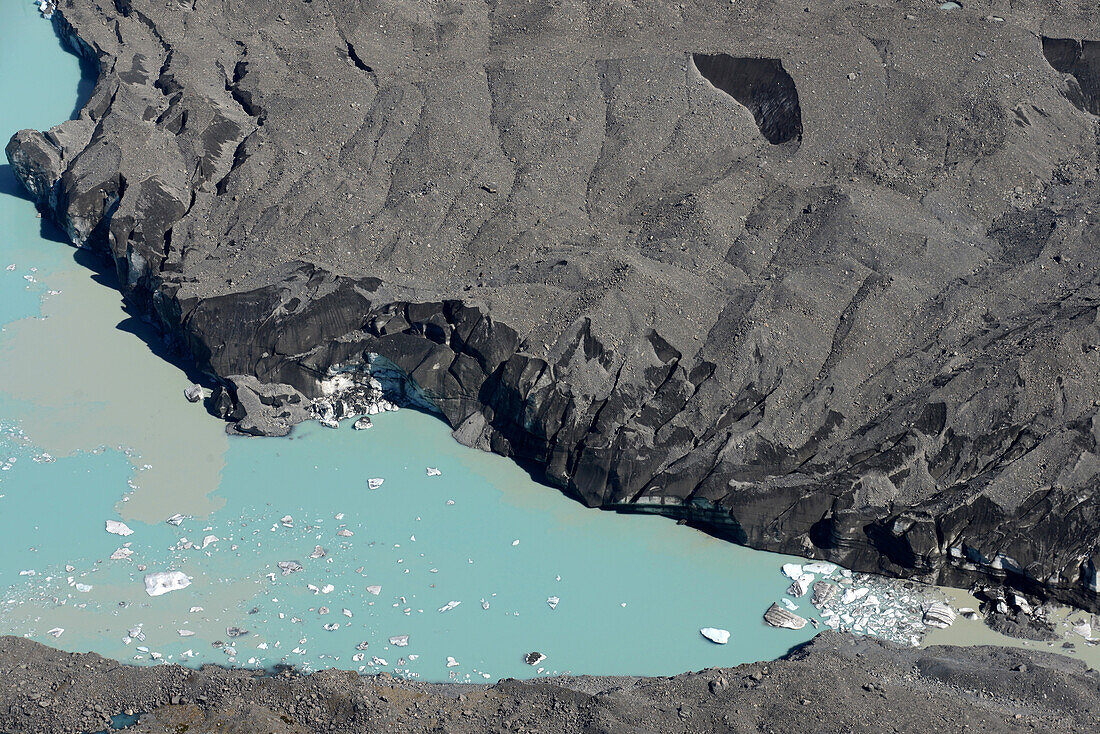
(78, 384)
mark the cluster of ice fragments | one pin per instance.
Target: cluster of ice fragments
(861, 603)
(348, 394)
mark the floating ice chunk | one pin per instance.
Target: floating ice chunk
(792, 570)
(193, 393)
(362, 646)
(515, 543)
(176, 519)
(83, 588)
(484, 603)
(821, 567)
(185, 633)
(346, 613)
(374, 589)
(553, 602)
(777, 616)
(433, 472)
(363, 424)
(56, 631)
(208, 540)
(162, 582)
(450, 502)
(327, 589)
(235, 632)
(358, 657)
(850, 595)
(715, 635)
(451, 662)
(118, 528)
(289, 567)
(196, 610)
(801, 585)
(332, 627)
(789, 604)
(449, 606)
(400, 640)
(10, 268)
(318, 552)
(287, 521)
(374, 483)
(344, 533)
(938, 614)
(533, 658)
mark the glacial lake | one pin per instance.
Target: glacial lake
(94, 427)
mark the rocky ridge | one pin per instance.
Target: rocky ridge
(834, 683)
(820, 279)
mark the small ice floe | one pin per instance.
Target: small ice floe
(363, 423)
(176, 519)
(56, 631)
(451, 662)
(449, 606)
(433, 472)
(801, 585)
(400, 640)
(10, 268)
(821, 567)
(533, 658)
(777, 616)
(374, 589)
(552, 602)
(851, 595)
(792, 570)
(196, 610)
(346, 613)
(328, 589)
(344, 533)
(118, 528)
(515, 543)
(235, 632)
(789, 604)
(715, 635)
(938, 614)
(362, 645)
(193, 393)
(332, 626)
(450, 502)
(162, 582)
(208, 540)
(318, 552)
(286, 521)
(1084, 629)
(374, 483)
(484, 603)
(289, 567)
(82, 588)
(121, 554)
(185, 633)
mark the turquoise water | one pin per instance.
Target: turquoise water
(93, 427)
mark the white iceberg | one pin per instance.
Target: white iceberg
(400, 640)
(374, 589)
(451, 662)
(374, 483)
(176, 519)
(118, 528)
(121, 554)
(449, 606)
(553, 602)
(433, 472)
(162, 582)
(56, 631)
(715, 635)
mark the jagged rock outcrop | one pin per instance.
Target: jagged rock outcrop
(873, 342)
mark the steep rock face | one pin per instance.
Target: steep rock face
(830, 292)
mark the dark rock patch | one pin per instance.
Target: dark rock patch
(761, 85)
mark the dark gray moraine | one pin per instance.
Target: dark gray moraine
(835, 683)
(819, 277)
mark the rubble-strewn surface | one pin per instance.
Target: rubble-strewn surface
(835, 683)
(818, 276)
